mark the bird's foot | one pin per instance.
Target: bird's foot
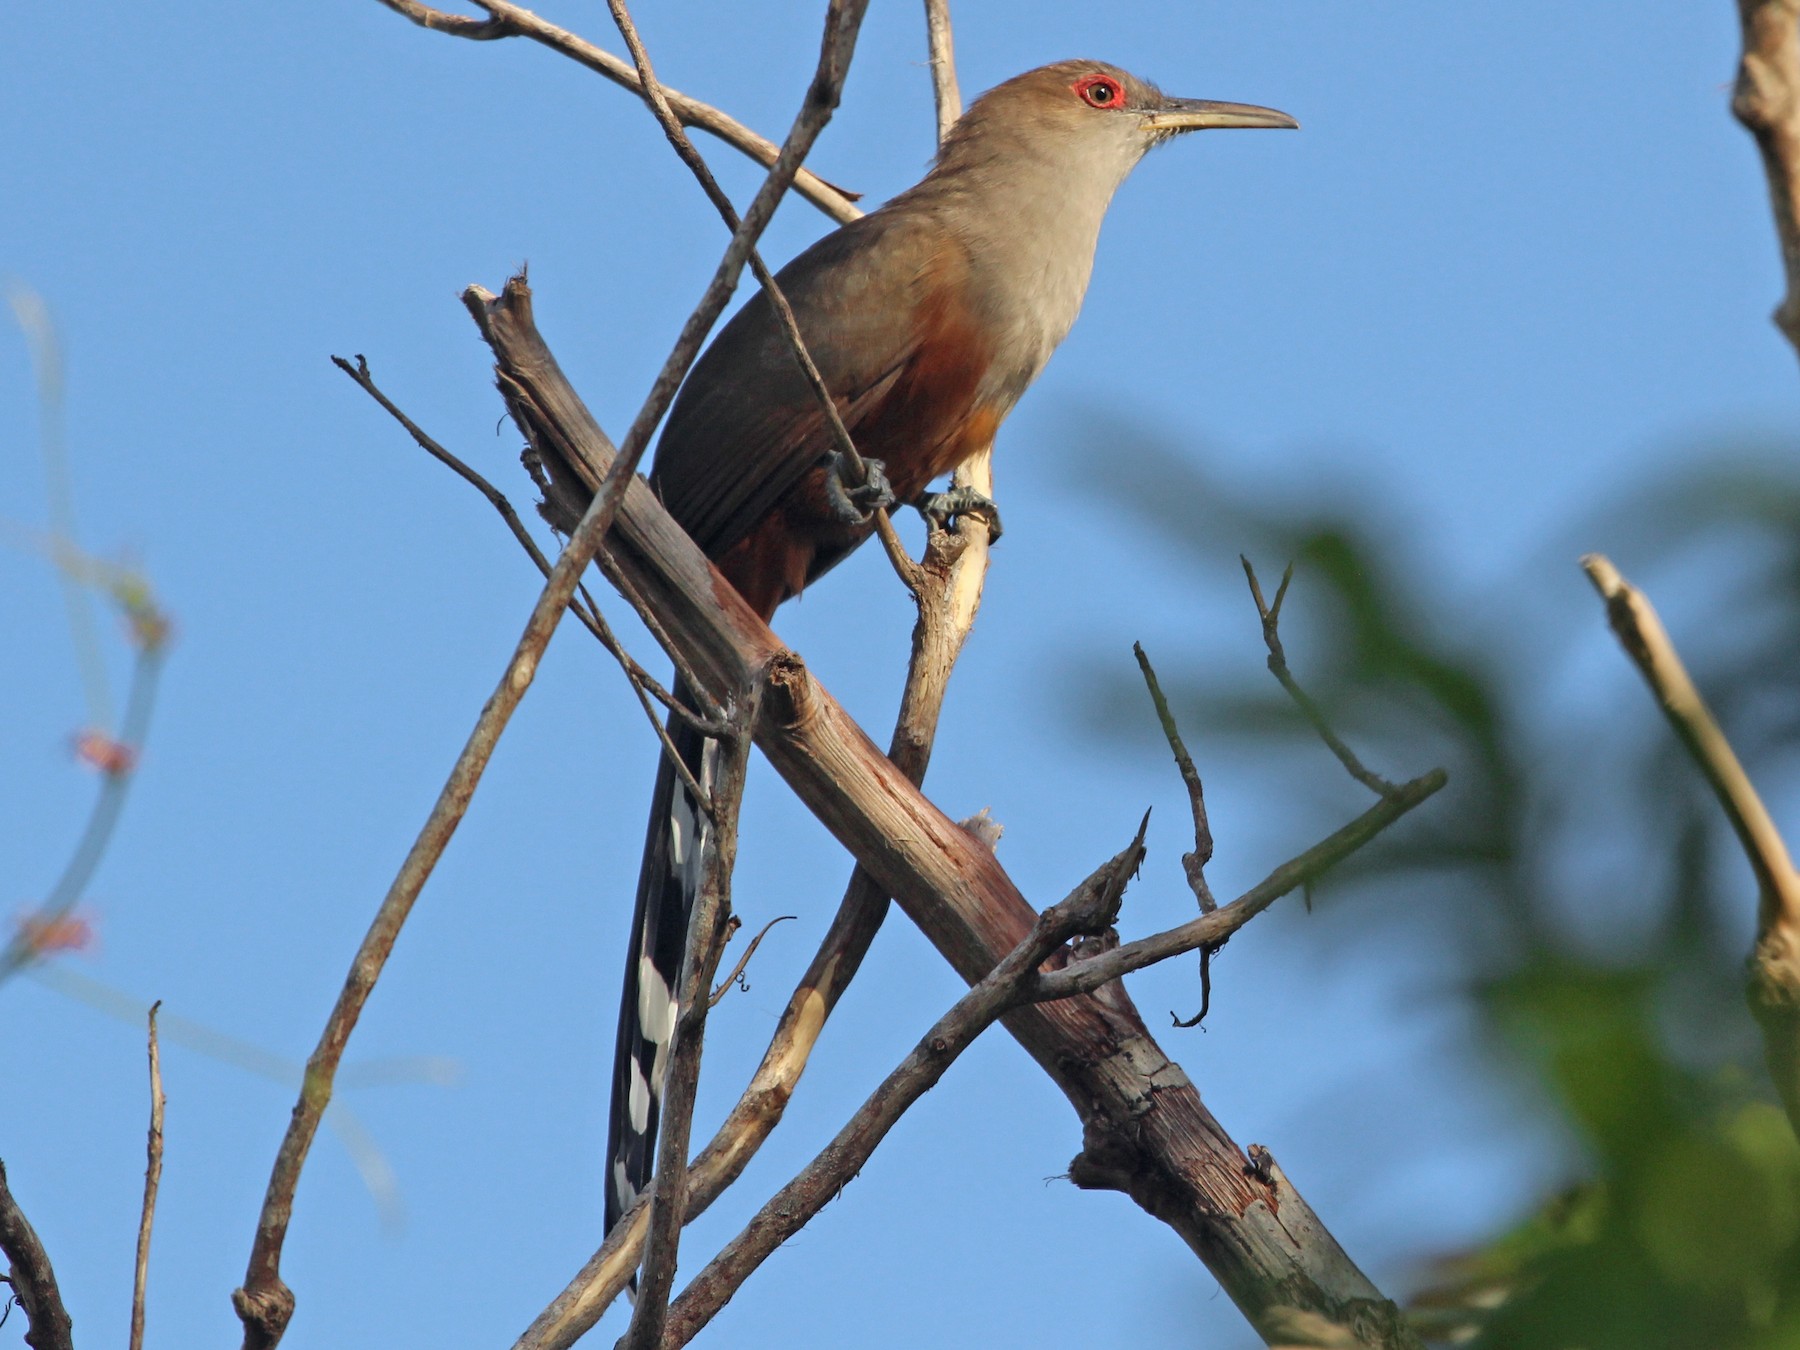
(856, 503)
(940, 508)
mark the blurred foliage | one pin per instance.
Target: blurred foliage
(1601, 909)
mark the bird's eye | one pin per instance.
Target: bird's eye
(1100, 91)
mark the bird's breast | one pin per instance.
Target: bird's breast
(1028, 288)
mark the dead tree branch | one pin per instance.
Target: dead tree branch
(737, 971)
(1774, 985)
(152, 1180)
(1090, 908)
(1767, 101)
(582, 606)
(264, 1303)
(508, 20)
(31, 1276)
(940, 43)
(1193, 863)
(947, 591)
(1145, 1128)
(1209, 930)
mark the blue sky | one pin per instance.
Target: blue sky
(1518, 260)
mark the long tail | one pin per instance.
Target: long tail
(668, 883)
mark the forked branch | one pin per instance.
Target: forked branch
(508, 20)
(947, 589)
(264, 1303)
(1090, 908)
(1149, 1134)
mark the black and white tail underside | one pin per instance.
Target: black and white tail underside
(679, 835)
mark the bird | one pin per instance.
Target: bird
(927, 319)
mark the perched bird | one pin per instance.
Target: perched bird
(928, 318)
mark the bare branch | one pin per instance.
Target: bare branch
(784, 312)
(1774, 985)
(947, 590)
(152, 1180)
(737, 971)
(1767, 101)
(953, 570)
(32, 1278)
(948, 601)
(714, 721)
(1271, 621)
(1209, 930)
(1195, 862)
(707, 933)
(1090, 908)
(583, 607)
(264, 1303)
(843, 19)
(508, 20)
(1147, 1132)
(946, 94)
(496, 498)
(713, 725)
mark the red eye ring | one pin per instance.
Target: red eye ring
(1100, 91)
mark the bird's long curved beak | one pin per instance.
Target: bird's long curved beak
(1199, 114)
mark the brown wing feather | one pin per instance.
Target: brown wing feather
(746, 428)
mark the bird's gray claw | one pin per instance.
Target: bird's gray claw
(940, 508)
(856, 504)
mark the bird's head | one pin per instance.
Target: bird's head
(1088, 114)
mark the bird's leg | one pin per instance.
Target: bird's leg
(856, 503)
(940, 508)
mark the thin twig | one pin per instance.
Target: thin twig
(655, 98)
(711, 719)
(509, 20)
(32, 1277)
(948, 603)
(1090, 973)
(737, 971)
(1090, 908)
(1271, 621)
(945, 93)
(843, 19)
(1195, 862)
(1207, 952)
(1767, 101)
(947, 593)
(584, 609)
(706, 726)
(152, 1180)
(591, 616)
(707, 934)
(264, 1303)
(1774, 985)
(497, 499)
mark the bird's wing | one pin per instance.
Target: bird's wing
(746, 426)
